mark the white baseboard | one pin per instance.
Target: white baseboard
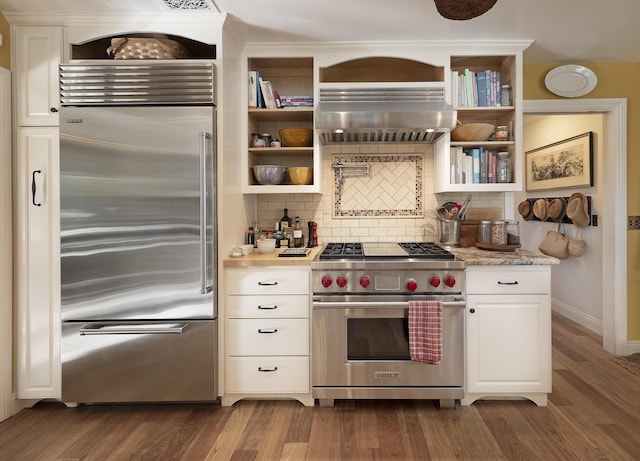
(589, 322)
(570, 312)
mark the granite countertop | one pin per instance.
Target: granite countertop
(473, 256)
(270, 259)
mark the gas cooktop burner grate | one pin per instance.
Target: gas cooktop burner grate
(358, 251)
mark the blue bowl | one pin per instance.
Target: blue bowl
(269, 174)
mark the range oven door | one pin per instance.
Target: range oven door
(359, 342)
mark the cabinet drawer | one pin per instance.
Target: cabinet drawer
(268, 282)
(267, 374)
(268, 337)
(268, 306)
(508, 281)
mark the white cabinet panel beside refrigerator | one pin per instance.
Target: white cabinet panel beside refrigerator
(137, 195)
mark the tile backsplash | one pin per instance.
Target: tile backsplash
(394, 202)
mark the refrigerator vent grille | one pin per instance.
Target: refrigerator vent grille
(139, 84)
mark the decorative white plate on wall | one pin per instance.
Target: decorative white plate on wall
(570, 81)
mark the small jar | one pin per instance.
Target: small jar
(499, 232)
(513, 232)
(503, 168)
(484, 232)
(502, 133)
(266, 138)
(505, 96)
(257, 141)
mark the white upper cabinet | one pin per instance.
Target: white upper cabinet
(38, 51)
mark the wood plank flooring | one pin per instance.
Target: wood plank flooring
(593, 414)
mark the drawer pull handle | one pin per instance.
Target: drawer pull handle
(507, 283)
(267, 370)
(267, 284)
(267, 307)
(267, 332)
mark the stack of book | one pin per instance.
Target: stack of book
(296, 101)
(262, 95)
(475, 88)
(472, 166)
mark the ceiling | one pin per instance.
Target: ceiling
(563, 31)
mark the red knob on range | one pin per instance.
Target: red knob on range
(449, 280)
(341, 281)
(412, 285)
(434, 281)
(327, 281)
(365, 281)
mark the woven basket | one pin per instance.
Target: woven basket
(577, 247)
(145, 48)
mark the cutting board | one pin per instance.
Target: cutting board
(484, 214)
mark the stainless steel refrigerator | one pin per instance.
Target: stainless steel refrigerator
(138, 253)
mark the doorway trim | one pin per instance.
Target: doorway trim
(614, 218)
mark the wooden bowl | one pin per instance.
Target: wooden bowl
(472, 132)
(300, 175)
(296, 137)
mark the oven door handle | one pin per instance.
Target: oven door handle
(457, 304)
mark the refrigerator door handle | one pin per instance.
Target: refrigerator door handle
(137, 329)
(204, 214)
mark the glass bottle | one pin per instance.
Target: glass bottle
(503, 168)
(285, 221)
(277, 234)
(298, 239)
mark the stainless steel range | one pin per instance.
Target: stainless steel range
(361, 295)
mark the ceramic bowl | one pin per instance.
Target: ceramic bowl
(300, 175)
(472, 132)
(266, 245)
(269, 174)
(296, 137)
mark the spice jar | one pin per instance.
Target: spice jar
(503, 168)
(502, 133)
(499, 232)
(484, 232)
(513, 232)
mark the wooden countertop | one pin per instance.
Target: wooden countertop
(271, 259)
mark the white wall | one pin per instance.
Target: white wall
(576, 283)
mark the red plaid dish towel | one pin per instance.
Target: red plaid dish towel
(425, 331)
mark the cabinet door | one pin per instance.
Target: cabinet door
(508, 343)
(38, 259)
(38, 53)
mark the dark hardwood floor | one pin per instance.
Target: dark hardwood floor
(593, 414)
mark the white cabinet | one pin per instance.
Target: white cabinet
(38, 263)
(267, 334)
(38, 51)
(508, 333)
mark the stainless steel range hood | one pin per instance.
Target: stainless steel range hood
(393, 115)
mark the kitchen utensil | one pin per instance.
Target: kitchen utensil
(301, 175)
(269, 174)
(465, 205)
(450, 232)
(296, 137)
(472, 132)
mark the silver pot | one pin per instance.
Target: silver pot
(449, 231)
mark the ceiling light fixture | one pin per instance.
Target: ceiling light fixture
(460, 10)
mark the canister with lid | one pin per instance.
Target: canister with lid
(502, 133)
(498, 232)
(484, 232)
(513, 232)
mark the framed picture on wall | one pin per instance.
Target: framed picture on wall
(563, 164)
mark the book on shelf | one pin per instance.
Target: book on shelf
(253, 89)
(475, 88)
(472, 166)
(268, 94)
(296, 101)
